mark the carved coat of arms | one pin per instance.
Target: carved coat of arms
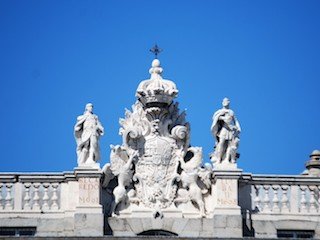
(150, 164)
(155, 172)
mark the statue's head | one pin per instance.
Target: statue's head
(225, 102)
(89, 107)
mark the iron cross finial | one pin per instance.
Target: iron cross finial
(156, 50)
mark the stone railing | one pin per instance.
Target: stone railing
(53, 204)
(284, 194)
(33, 192)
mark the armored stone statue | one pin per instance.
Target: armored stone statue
(226, 129)
(87, 132)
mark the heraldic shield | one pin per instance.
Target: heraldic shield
(156, 172)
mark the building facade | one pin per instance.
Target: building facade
(157, 184)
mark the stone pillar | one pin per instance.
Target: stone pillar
(227, 219)
(89, 214)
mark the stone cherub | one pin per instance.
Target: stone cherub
(87, 132)
(226, 130)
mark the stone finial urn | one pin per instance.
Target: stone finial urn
(313, 165)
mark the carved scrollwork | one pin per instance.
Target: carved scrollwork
(179, 132)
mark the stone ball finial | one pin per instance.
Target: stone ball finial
(155, 63)
(155, 67)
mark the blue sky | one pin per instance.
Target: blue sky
(55, 56)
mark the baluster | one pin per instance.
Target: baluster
(1, 198)
(36, 198)
(54, 198)
(257, 200)
(284, 200)
(45, 204)
(313, 206)
(8, 198)
(27, 198)
(266, 200)
(275, 199)
(303, 201)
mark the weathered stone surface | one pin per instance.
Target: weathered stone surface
(220, 221)
(88, 224)
(234, 222)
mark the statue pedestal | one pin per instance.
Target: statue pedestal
(88, 166)
(226, 166)
(89, 214)
(226, 212)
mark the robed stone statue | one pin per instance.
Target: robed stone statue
(87, 131)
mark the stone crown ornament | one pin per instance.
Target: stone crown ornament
(156, 91)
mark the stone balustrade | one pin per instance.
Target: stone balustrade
(284, 194)
(23, 192)
(70, 203)
(273, 203)
(32, 192)
(54, 204)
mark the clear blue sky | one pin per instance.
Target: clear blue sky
(56, 56)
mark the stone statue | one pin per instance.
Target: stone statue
(87, 132)
(226, 130)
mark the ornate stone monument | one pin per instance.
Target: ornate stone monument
(158, 173)
(87, 132)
